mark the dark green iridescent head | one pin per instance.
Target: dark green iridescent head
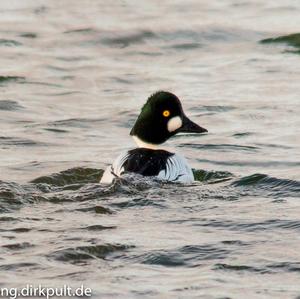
(162, 117)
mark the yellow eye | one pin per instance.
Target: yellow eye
(166, 113)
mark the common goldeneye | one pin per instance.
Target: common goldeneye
(160, 118)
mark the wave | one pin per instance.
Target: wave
(189, 255)
(79, 254)
(291, 40)
(13, 195)
(277, 187)
(9, 79)
(17, 141)
(220, 147)
(264, 269)
(9, 105)
(82, 184)
(177, 40)
(77, 175)
(9, 43)
(242, 226)
(212, 176)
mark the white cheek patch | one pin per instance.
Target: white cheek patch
(174, 123)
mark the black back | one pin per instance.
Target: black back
(146, 161)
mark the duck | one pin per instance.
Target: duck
(161, 117)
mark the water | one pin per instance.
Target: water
(73, 78)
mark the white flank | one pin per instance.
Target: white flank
(114, 170)
(174, 123)
(177, 170)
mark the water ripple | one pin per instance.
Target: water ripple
(17, 141)
(81, 253)
(270, 224)
(78, 175)
(9, 43)
(278, 187)
(11, 79)
(129, 39)
(17, 246)
(220, 147)
(291, 40)
(189, 256)
(10, 105)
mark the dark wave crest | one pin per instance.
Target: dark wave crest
(277, 187)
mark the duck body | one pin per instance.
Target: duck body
(161, 118)
(158, 163)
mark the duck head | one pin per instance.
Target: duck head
(162, 117)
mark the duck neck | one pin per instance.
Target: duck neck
(143, 144)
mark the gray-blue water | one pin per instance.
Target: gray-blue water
(73, 77)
